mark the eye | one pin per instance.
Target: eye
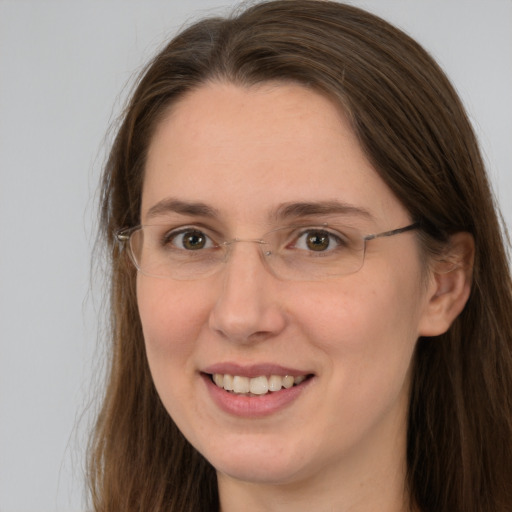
(189, 239)
(319, 240)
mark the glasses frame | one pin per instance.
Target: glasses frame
(124, 235)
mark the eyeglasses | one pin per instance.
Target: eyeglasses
(296, 252)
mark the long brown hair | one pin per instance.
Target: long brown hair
(415, 132)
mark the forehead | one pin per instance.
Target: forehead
(246, 151)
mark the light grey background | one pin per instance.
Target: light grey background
(64, 66)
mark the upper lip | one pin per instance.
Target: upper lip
(253, 370)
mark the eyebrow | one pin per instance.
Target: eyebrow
(319, 208)
(284, 211)
(171, 205)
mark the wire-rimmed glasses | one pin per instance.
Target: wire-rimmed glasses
(295, 252)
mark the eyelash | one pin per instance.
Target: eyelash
(170, 238)
(338, 239)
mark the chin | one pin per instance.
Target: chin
(259, 473)
(259, 463)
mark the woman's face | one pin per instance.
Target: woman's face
(238, 162)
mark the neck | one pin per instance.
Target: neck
(318, 496)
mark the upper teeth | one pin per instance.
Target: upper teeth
(257, 385)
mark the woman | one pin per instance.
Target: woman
(310, 291)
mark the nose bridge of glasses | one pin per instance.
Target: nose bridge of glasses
(248, 240)
(264, 245)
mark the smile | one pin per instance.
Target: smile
(256, 386)
(255, 391)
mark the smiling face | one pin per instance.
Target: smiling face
(231, 162)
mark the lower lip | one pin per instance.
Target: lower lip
(254, 406)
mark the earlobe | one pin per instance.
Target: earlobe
(450, 285)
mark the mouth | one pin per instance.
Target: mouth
(256, 390)
(256, 386)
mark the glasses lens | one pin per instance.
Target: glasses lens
(296, 252)
(310, 253)
(185, 253)
(304, 253)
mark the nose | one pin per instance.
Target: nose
(247, 308)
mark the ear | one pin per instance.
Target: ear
(449, 286)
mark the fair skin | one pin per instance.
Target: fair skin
(339, 442)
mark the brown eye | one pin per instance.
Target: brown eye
(313, 240)
(189, 240)
(317, 240)
(193, 240)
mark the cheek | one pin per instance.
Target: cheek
(360, 313)
(171, 316)
(367, 328)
